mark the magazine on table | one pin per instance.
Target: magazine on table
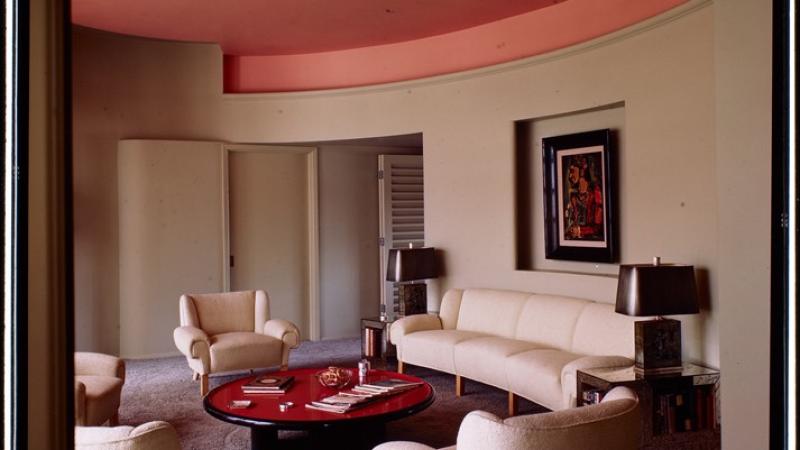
(361, 395)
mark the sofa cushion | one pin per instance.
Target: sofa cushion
(491, 311)
(536, 375)
(435, 348)
(601, 331)
(484, 358)
(240, 350)
(550, 320)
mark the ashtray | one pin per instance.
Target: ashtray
(239, 404)
(334, 377)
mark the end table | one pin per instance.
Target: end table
(678, 411)
(375, 344)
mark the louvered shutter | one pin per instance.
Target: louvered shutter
(402, 220)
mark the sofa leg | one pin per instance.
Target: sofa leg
(284, 367)
(195, 376)
(400, 366)
(459, 386)
(513, 406)
(204, 384)
(114, 420)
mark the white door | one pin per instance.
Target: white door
(401, 210)
(269, 223)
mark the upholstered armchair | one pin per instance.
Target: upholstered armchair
(149, 436)
(614, 423)
(232, 331)
(98, 387)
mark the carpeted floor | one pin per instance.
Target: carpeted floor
(162, 389)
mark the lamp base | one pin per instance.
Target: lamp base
(413, 298)
(658, 347)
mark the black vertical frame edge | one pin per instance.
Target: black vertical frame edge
(69, 272)
(778, 436)
(19, 261)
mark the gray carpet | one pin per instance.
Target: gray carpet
(162, 389)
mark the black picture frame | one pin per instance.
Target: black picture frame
(580, 196)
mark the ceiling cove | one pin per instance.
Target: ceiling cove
(300, 45)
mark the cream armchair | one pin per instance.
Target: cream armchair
(149, 436)
(614, 423)
(232, 331)
(98, 387)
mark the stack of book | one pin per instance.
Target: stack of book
(362, 395)
(268, 384)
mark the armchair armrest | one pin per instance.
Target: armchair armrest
(402, 445)
(88, 363)
(192, 342)
(569, 376)
(411, 324)
(157, 434)
(283, 330)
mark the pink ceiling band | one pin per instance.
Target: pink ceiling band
(540, 31)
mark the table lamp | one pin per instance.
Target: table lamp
(657, 290)
(406, 267)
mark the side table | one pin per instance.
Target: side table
(375, 345)
(678, 411)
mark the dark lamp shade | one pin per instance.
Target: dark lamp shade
(656, 290)
(410, 264)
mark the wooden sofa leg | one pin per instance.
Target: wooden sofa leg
(459, 386)
(400, 366)
(204, 384)
(284, 367)
(114, 420)
(513, 406)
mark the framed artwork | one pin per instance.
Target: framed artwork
(579, 202)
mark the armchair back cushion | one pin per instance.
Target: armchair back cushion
(491, 311)
(224, 312)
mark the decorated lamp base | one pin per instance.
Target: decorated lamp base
(412, 298)
(658, 347)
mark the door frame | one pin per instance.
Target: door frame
(312, 192)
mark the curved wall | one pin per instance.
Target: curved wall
(673, 174)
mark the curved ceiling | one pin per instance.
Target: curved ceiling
(294, 45)
(288, 27)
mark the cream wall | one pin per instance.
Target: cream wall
(670, 77)
(349, 286)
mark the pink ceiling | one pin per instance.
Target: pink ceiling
(290, 45)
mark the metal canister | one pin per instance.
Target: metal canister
(363, 369)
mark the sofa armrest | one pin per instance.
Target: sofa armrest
(569, 378)
(284, 330)
(411, 324)
(89, 363)
(192, 342)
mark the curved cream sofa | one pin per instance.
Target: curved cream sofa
(530, 345)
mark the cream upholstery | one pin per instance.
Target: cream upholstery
(232, 331)
(614, 423)
(98, 387)
(149, 436)
(529, 344)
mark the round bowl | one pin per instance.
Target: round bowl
(334, 377)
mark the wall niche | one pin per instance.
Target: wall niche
(529, 187)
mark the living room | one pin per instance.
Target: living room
(689, 92)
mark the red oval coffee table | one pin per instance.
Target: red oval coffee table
(265, 419)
